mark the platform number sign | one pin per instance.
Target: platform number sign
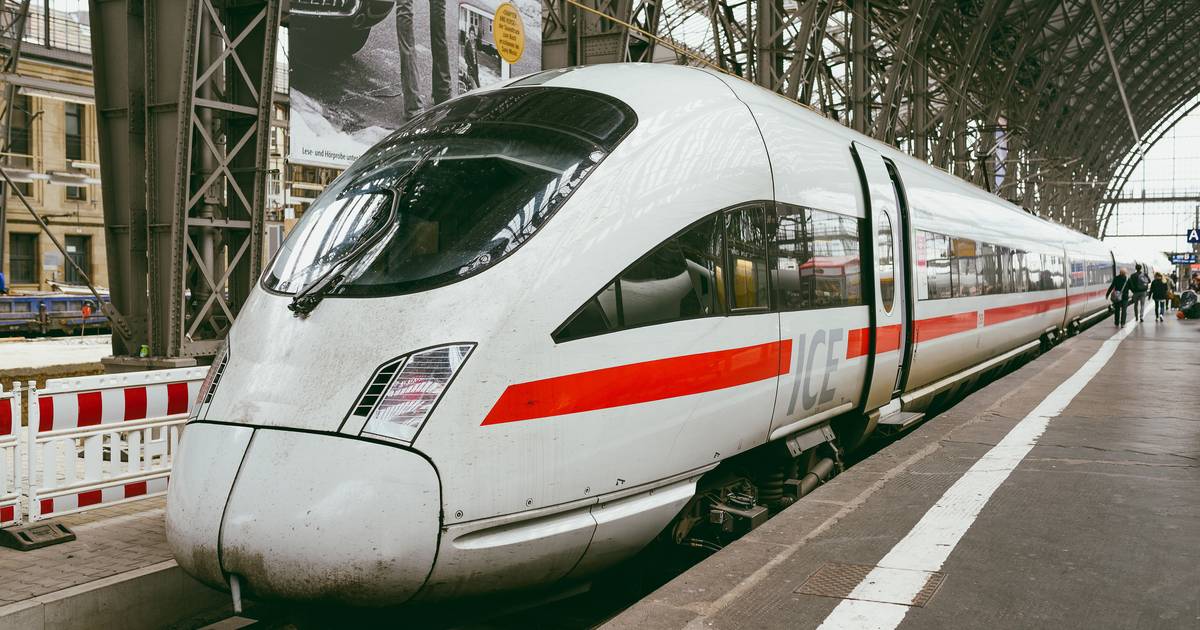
(1194, 235)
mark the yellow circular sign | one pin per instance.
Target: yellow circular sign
(508, 33)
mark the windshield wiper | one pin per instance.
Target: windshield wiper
(307, 299)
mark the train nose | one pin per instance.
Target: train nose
(307, 517)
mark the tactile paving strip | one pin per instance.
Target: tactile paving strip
(838, 580)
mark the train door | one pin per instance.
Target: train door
(891, 312)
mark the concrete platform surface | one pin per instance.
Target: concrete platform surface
(1093, 523)
(53, 351)
(119, 572)
(108, 541)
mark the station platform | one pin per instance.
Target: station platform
(23, 360)
(119, 572)
(1063, 495)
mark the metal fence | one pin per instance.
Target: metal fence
(10, 480)
(59, 24)
(93, 441)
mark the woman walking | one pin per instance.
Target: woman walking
(1158, 292)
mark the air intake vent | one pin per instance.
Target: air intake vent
(376, 388)
(216, 380)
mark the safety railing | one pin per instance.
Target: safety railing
(10, 480)
(97, 441)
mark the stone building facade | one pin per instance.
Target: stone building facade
(52, 154)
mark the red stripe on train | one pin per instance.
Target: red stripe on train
(946, 325)
(641, 382)
(1003, 314)
(1080, 297)
(858, 341)
(887, 338)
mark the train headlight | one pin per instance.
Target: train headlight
(419, 382)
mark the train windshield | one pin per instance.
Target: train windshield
(450, 194)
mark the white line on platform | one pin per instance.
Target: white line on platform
(934, 537)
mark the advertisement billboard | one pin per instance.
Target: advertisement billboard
(359, 69)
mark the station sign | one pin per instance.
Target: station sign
(1183, 258)
(1193, 235)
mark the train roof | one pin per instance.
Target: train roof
(654, 90)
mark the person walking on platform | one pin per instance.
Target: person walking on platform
(1138, 285)
(1159, 291)
(1118, 294)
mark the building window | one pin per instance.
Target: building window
(74, 128)
(19, 146)
(77, 193)
(22, 258)
(79, 249)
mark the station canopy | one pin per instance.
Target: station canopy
(1048, 103)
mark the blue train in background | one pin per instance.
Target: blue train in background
(50, 313)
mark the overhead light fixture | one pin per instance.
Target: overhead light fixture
(68, 179)
(25, 176)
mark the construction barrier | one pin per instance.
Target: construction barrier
(96, 441)
(10, 481)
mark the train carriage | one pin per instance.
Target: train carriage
(545, 323)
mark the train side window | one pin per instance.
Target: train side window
(746, 239)
(658, 288)
(597, 315)
(1055, 265)
(1019, 273)
(1033, 266)
(794, 259)
(1004, 266)
(682, 278)
(990, 277)
(966, 267)
(1077, 273)
(937, 266)
(835, 274)
(703, 251)
(919, 274)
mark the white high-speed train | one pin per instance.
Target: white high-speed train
(545, 323)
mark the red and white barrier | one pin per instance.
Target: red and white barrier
(10, 482)
(96, 441)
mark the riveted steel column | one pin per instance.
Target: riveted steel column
(920, 105)
(860, 32)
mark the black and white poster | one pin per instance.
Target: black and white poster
(359, 70)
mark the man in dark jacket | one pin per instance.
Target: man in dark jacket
(1118, 293)
(1138, 286)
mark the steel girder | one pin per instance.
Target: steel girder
(183, 94)
(955, 81)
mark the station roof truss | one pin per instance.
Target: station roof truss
(1048, 103)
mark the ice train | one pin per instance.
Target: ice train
(545, 323)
